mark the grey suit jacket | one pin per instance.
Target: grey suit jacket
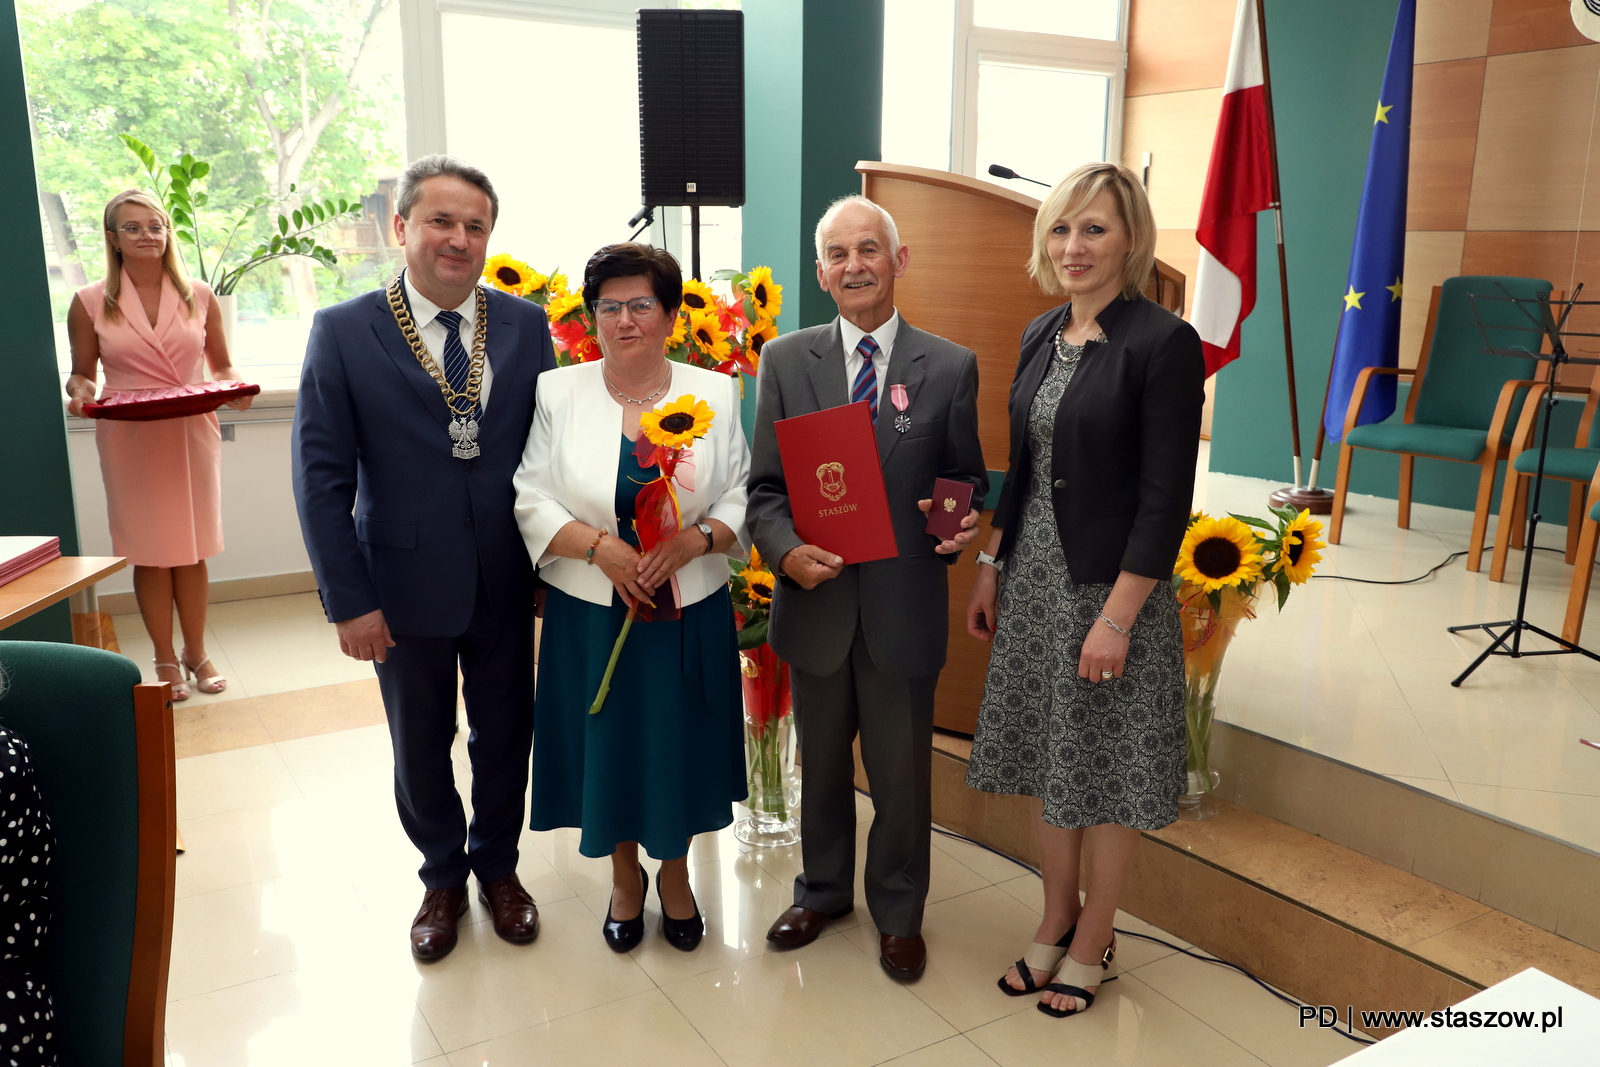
(902, 603)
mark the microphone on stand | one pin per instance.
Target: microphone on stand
(643, 218)
(1006, 172)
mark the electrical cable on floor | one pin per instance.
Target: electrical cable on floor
(1146, 937)
(1451, 558)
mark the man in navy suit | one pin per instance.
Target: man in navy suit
(414, 407)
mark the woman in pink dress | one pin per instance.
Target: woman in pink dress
(152, 328)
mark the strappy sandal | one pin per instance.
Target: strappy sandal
(180, 688)
(1039, 957)
(1074, 978)
(210, 683)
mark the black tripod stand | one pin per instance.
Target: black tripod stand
(1507, 634)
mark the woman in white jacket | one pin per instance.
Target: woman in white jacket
(663, 758)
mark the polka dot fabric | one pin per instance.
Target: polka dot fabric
(27, 1017)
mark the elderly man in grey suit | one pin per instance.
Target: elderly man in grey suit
(866, 641)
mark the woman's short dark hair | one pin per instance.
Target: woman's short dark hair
(630, 260)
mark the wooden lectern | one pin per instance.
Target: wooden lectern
(970, 242)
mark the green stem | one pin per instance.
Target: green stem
(611, 665)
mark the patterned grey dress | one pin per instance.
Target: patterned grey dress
(1093, 752)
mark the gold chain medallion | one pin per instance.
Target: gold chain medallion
(463, 406)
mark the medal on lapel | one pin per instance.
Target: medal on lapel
(901, 401)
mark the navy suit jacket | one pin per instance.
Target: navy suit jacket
(391, 520)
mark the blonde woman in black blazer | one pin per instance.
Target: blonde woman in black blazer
(1083, 705)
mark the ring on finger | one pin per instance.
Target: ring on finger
(1107, 675)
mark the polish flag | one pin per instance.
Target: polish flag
(1238, 184)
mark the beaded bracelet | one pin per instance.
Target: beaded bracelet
(1114, 626)
(588, 557)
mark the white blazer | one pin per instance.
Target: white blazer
(569, 471)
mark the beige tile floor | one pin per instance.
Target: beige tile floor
(298, 886)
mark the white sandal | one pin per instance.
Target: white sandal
(211, 684)
(1074, 978)
(180, 689)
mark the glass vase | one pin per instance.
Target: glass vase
(769, 751)
(1208, 630)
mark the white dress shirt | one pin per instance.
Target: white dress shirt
(425, 313)
(852, 334)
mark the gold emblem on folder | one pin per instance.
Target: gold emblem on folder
(830, 477)
(949, 504)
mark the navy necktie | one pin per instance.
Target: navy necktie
(457, 364)
(866, 383)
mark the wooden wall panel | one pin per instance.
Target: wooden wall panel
(1452, 29)
(1532, 25)
(1444, 136)
(1177, 45)
(1564, 259)
(1179, 249)
(1531, 152)
(1177, 129)
(1431, 257)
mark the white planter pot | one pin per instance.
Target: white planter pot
(229, 306)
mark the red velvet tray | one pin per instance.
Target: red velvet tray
(147, 405)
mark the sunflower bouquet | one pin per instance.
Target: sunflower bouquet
(666, 435)
(768, 699)
(1221, 568)
(722, 334)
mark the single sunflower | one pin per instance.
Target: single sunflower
(677, 423)
(757, 582)
(765, 294)
(707, 335)
(562, 305)
(557, 282)
(510, 275)
(1301, 550)
(697, 295)
(680, 331)
(1219, 552)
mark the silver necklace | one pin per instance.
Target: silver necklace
(624, 396)
(1069, 353)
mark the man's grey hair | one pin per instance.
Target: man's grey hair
(409, 187)
(856, 198)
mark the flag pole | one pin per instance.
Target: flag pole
(1290, 495)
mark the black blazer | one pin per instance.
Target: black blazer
(1127, 435)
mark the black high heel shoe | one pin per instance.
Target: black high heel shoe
(624, 935)
(682, 934)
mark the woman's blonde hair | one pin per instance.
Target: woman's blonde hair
(169, 259)
(1070, 196)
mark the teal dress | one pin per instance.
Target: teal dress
(664, 758)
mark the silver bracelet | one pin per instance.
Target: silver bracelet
(1114, 626)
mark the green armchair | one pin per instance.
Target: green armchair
(1462, 402)
(102, 748)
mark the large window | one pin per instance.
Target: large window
(1034, 85)
(298, 99)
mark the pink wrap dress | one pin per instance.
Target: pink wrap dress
(163, 478)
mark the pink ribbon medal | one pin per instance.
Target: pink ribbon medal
(901, 401)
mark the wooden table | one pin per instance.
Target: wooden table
(53, 583)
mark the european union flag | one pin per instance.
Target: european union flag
(1369, 325)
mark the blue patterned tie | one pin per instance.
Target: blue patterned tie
(866, 385)
(457, 364)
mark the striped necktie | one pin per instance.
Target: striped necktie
(866, 384)
(457, 364)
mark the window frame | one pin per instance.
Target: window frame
(975, 45)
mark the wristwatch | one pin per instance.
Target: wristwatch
(988, 560)
(705, 528)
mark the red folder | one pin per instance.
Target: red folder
(952, 501)
(835, 480)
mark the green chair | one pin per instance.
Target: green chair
(1582, 564)
(1463, 400)
(1576, 464)
(102, 749)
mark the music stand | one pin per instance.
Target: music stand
(1508, 640)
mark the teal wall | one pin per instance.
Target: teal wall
(1327, 65)
(35, 480)
(813, 109)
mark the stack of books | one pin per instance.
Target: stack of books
(19, 555)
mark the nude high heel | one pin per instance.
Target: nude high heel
(210, 684)
(1074, 978)
(180, 690)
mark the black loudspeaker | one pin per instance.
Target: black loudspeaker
(691, 107)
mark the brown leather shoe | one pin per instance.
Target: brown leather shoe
(799, 926)
(516, 916)
(902, 957)
(433, 931)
